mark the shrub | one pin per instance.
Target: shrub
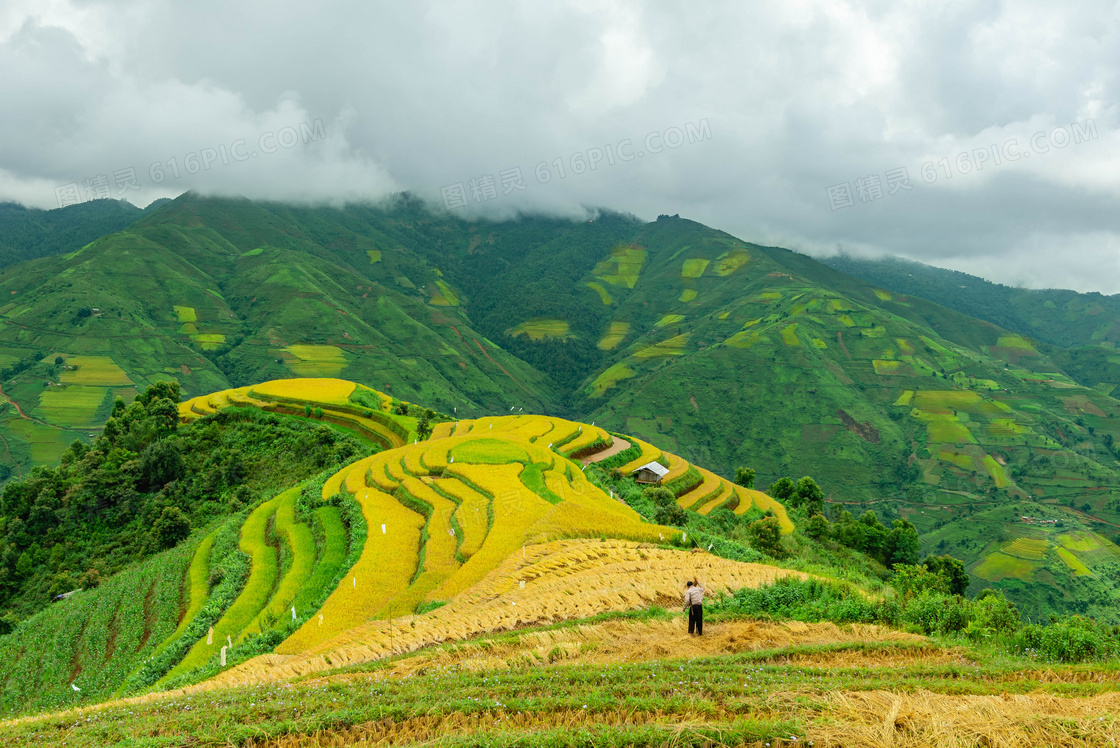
(1073, 639)
(766, 536)
(993, 615)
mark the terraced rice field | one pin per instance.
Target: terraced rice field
(1076, 565)
(604, 294)
(543, 329)
(730, 261)
(694, 268)
(315, 360)
(72, 405)
(886, 367)
(185, 314)
(614, 336)
(997, 566)
(672, 347)
(1029, 548)
(623, 266)
(669, 319)
(93, 370)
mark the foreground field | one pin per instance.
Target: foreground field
(633, 679)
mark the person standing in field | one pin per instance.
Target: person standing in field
(694, 604)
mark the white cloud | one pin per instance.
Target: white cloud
(799, 96)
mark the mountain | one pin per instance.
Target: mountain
(30, 233)
(1082, 329)
(724, 352)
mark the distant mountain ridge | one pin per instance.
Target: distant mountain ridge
(724, 352)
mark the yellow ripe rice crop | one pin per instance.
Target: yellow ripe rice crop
(678, 466)
(95, 370)
(763, 502)
(439, 550)
(563, 580)
(707, 490)
(543, 329)
(614, 336)
(649, 454)
(472, 514)
(412, 461)
(585, 510)
(309, 389)
(387, 562)
(515, 510)
(442, 430)
(694, 268)
(435, 456)
(727, 491)
(532, 428)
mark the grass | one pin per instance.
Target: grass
(604, 294)
(728, 262)
(332, 556)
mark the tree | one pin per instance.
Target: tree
(424, 425)
(912, 580)
(171, 528)
(783, 490)
(809, 495)
(744, 476)
(952, 570)
(160, 464)
(902, 543)
(766, 536)
(818, 528)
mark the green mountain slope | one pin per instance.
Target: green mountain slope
(725, 352)
(29, 233)
(1082, 328)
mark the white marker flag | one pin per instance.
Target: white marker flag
(75, 688)
(382, 529)
(355, 582)
(210, 636)
(684, 536)
(229, 641)
(522, 584)
(223, 656)
(293, 612)
(320, 619)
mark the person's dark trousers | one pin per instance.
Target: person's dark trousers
(696, 619)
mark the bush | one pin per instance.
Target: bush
(808, 600)
(766, 536)
(1069, 640)
(993, 615)
(934, 613)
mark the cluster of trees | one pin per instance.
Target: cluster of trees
(142, 486)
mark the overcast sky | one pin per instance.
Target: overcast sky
(792, 120)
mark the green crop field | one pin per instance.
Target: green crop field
(71, 405)
(95, 370)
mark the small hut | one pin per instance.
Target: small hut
(651, 473)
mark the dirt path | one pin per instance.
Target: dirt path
(617, 445)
